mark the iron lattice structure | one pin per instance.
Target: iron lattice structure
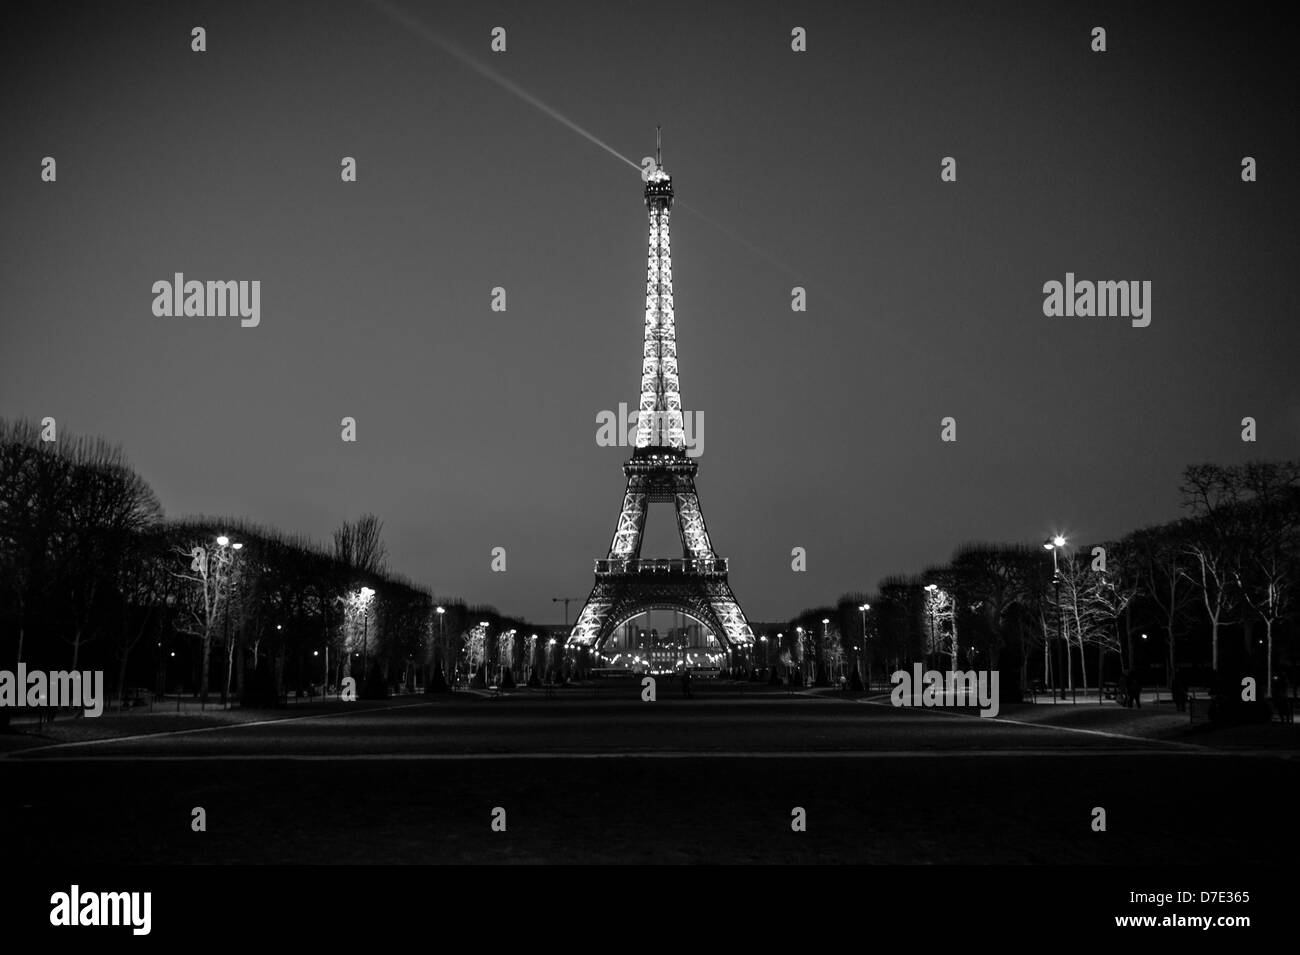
(660, 470)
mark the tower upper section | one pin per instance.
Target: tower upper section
(659, 414)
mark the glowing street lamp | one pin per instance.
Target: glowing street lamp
(364, 596)
(820, 661)
(442, 634)
(931, 590)
(863, 610)
(224, 559)
(1055, 544)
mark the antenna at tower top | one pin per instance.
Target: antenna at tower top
(659, 153)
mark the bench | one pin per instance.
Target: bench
(1194, 693)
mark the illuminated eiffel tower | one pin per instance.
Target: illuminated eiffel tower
(627, 585)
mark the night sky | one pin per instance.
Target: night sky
(820, 169)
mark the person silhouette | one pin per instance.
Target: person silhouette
(1281, 701)
(1179, 689)
(1134, 689)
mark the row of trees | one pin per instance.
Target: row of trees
(1217, 587)
(92, 576)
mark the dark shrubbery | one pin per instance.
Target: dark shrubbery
(259, 689)
(436, 683)
(375, 686)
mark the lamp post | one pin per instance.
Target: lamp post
(228, 560)
(1137, 670)
(442, 638)
(866, 672)
(825, 649)
(930, 601)
(566, 601)
(366, 595)
(1055, 544)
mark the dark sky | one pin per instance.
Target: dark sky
(477, 429)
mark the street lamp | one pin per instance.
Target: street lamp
(223, 541)
(825, 647)
(1055, 544)
(442, 635)
(483, 624)
(866, 674)
(930, 589)
(364, 596)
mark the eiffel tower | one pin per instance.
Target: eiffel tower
(660, 470)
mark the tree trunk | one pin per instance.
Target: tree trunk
(1083, 660)
(1128, 635)
(230, 667)
(279, 674)
(1101, 660)
(203, 675)
(1069, 661)
(1083, 664)
(1169, 636)
(1268, 633)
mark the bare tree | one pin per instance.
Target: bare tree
(1265, 575)
(1212, 494)
(1164, 565)
(1109, 595)
(1246, 522)
(359, 545)
(205, 598)
(144, 585)
(33, 495)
